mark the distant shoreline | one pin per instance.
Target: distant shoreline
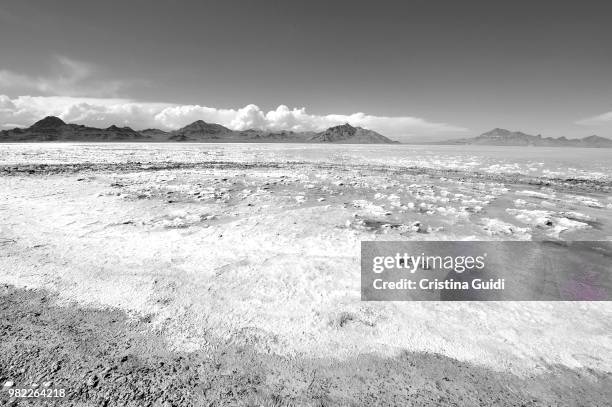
(220, 141)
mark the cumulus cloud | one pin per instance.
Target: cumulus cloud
(102, 112)
(68, 77)
(177, 116)
(78, 81)
(602, 119)
(297, 119)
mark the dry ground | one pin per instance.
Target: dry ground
(108, 358)
(230, 275)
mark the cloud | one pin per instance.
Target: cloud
(602, 119)
(89, 99)
(68, 78)
(102, 112)
(284, 118)
(177, 116)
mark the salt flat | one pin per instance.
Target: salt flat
(259, 244)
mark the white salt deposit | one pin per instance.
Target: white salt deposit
(183, 244)
(499, 228)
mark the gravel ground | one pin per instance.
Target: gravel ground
(109, 358)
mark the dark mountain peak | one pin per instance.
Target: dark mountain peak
(596, 141)
(503, 137)
(49, 122)
(595, 138)
(499, 130)
(115, 128)
(345, 133)
(152, 130)
(200, 130)
(54, 129)
(201, 125)
(336, 133)
(343, 128)
(503, 133)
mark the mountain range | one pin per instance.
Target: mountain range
(55, 129)
(503, 137)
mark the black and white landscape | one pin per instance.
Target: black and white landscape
(54, 129)
(185, 186)
(503, 137)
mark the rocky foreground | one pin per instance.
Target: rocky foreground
(110, 358)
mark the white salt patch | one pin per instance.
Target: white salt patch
(540, 218)
(577, 216)
(535, 194)
(563, 224)
(499, 190)
(520, 202)
(496, 227)
(555, 223)
(368, 206)
(394, 200)
(452, 211)
(586, 201)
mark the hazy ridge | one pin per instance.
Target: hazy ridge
(503, 137)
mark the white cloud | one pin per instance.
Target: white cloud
(284, 118)
(102, 112)
(177, 116)
(68, 77)
(249, 117)
(77, 81)
(602, 119)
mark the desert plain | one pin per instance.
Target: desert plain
(228, 274)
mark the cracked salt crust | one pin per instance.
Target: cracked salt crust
(231, 251)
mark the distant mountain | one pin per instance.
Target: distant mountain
(282, 136)
(503, 137)
(54, 129)
(155, 134)
(596, 141)
(201, 131)
(49, 122)
(346, 133)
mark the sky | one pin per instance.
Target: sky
(412, 70)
